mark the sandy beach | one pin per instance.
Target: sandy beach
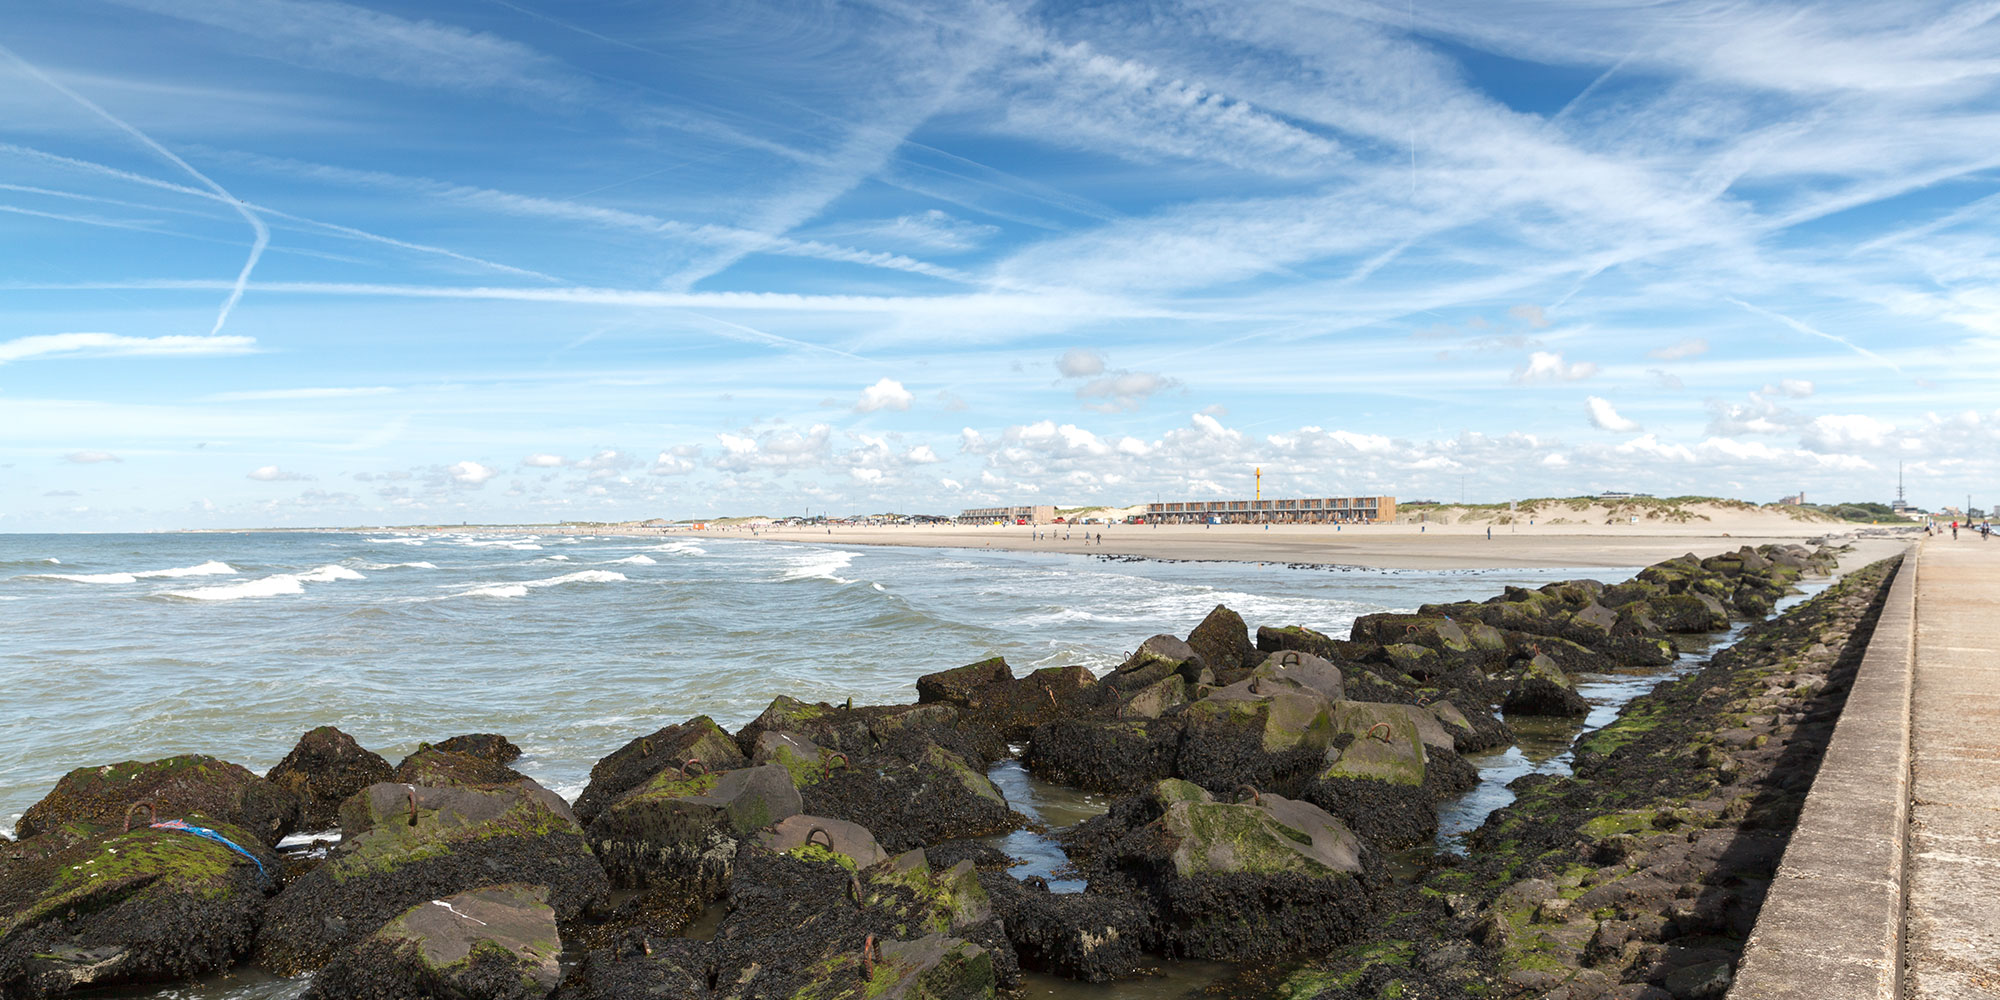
(1384, 546)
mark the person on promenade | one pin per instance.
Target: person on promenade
(1954, 531)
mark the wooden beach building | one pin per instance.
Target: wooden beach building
(1033, 514)
(1315, 510)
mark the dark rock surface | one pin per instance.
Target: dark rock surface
(190, 786)
(493, 943)
(323, 769)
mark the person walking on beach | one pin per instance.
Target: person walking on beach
(1954, 531)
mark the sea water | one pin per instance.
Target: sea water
(136, 647)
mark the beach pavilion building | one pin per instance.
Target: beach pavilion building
(1033, 514)
(1315, 510)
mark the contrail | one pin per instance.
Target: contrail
(1803, 328)
(263, 233)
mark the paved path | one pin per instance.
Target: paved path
(1952, 921)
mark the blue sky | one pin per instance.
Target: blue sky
(315, 262)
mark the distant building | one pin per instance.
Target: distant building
(1616, 495)
(1322, 510)
(1036, 514)
(1795, 500)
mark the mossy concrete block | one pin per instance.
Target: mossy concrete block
(405, 844)
(1150, 701)
(189, 786)
(323, 769)
(1302, 670)
(1222, 641)
(1541, 688)
(832, 839)
(957, 685)
(438, 767)
(666, 749)
(80, 911)
(1387, 744)
(1271, 836)
(492, 943)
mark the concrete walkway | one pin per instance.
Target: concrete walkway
(1952, 921)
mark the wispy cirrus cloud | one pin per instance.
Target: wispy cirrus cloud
(55, 345)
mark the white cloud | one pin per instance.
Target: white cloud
(543, 460)
(1681, 349)
(1123, 390)
(273, 474)
(676, 461)
(887, 394)
(1546, 366)
(1839, 432)
(1605, 418)
(1795, 388)
(91, 457)
(1080, 362)
(1530, 314)
(921, 455)
(330, 392)
(471, 473)
(115, 345)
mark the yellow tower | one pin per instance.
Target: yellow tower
(1260, 483)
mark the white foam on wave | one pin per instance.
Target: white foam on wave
(275, 585)
(513, 544)
(555, 558)
(641, 560)
(210, 568)
(819, 566)
(401, 565)
(521, 588)
(680, 549)
(395, 541)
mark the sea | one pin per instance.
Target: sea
(140, 646)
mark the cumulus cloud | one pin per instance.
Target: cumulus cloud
(273, 474)
(887, 394)
(1123, 390)
(1665, 379)
(1841, 432)
(1548, 366)
(920, 455)
(543, 460)
(1530, 314)
(91, 457)
(1605, 417)
(676, 461)
(774, 449)
(1679, 350)
(471, 473)
(1079, 362)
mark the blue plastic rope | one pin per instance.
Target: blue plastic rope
(206, 833)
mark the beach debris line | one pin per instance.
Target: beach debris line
(1260, 785)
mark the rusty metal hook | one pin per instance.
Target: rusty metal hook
(820, 830)
(826, 763)
(645, 746)
(854, 888)
(868, 958)
(1255, 799)
(692, 762)
(1388, 733)
(152, 814)
(1289, 658)
(411, 791)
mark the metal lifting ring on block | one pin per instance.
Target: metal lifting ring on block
(692, 762)
(1423, 701)
(152, 814)
(854, 888)
(826, 763)
(645, 746)
(821, 831)
(411, 791)
(868, 958)
(1289, 658)
(1255, 799)
(1387, 733)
